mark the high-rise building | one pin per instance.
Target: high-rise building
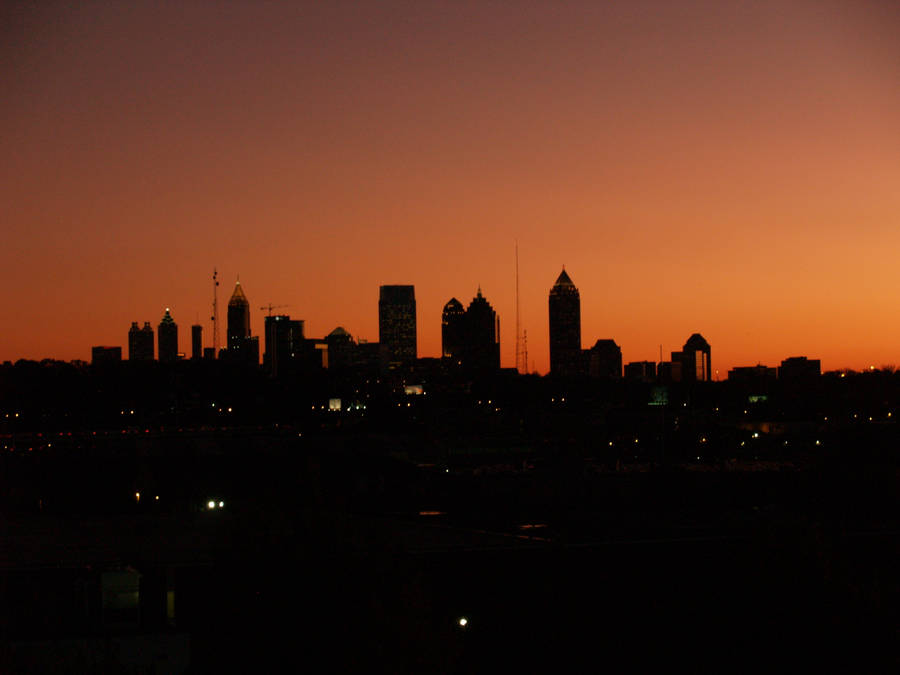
(565, 328)
(242, 348)
(695, 360)
(167, 338)
(481, 336)
(196, 342)
(452, 330)
(397, 324)
(604, 360)
(341, 350)
(140, 342)
(284, 342)
(238, 318)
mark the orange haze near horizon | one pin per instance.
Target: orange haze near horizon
(731, 169)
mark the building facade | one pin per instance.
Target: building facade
(140, 342)
(167, 338)
(452, 331)
(481, 336)
(565, 328)
(284, 343)
(397, 324)
(604, 360)
(695, 360)
(242, 347)
(196, 342)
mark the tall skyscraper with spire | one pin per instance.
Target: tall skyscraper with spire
(140, 342)
(481, 340)
(565, 328)
(238, 318)
(167, 338)
(241, 347)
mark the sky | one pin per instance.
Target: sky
(727, 168)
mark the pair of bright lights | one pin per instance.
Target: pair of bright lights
(211, 504)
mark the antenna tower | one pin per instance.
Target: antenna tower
(521, 345)
(215, 316)
(525, 349)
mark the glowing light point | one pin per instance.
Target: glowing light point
(221, 505)
(463, 622)
(210, 505)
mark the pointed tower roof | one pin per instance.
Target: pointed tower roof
(167, 319)
(563, 279)
(238, 297)
(453, 305)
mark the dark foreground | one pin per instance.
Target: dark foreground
(340, 561)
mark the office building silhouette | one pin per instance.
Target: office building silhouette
(397, 324)
(196, 342)
(799, 368)
(565, 328)
(241, 346)
(481, 336)
(140, 342)
(167, 338)
(694, 358)
(604, 360)
(452, 331)
(238, 318)
(284, 342)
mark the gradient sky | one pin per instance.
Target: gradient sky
(728, 168)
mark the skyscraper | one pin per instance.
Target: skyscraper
(565, 328)
(167, 338)
(452, 330)
(481, 337)
(695, 360)
(196, 341)
(284, 343)
(238, 318)
(140, 342)
(242, 348)
(397, 324)
(604, 360)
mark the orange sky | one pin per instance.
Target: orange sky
(726, 168)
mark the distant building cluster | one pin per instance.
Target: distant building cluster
(470, 344)
(470, 338)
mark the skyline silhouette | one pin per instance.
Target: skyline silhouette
(722, 168)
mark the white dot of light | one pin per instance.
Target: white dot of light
(463, 621)
(221, 505)
(211, 505)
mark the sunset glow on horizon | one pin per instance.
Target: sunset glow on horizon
(731, 169)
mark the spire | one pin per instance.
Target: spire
(167, 319)
(238, 297)
(563, 278)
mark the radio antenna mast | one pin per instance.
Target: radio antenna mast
(518, 324)
(215, 316)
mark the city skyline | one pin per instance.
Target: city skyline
(702, 167)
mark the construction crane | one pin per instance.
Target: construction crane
(270, 307)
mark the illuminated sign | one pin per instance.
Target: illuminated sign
(659, 396)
